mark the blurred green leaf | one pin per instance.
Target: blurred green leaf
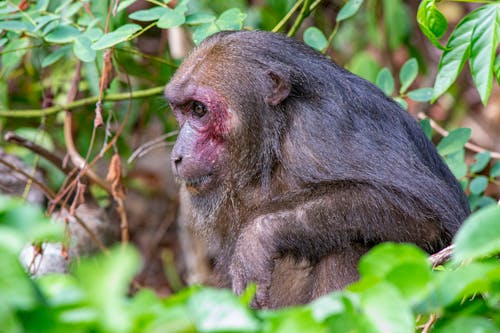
(496, 68)
(495, 170)
(82, 48)
(454, 141)
(421, 94)
(315, 38)
(456, 163)
(62, 34)
(202, 31)
(468, 324)
(150, 14)
(231, 19)
(425, 124)
(199, 18)
(14, 51)
(220, 310)
(478, 184)
(53, 57)
(402, 102)
(115, 37)
(171, 18)
(385, 81)
(484, 44)
(482, 160)
(387, 310)
(124, 4)
(363, 64)
(348, 10)
(408, 74)
(479, 236)
(17, 26)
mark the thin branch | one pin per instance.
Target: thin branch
(442, 256)
(468, 145)
(150, 145)
(304, 12)
(287, 16)
(82, 102)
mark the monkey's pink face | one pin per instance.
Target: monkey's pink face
(199, 154)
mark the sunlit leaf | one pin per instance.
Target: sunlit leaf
(171, 18)
(457, 52)
(315, 38)
(199, 18)
(484, 43)
(432, 22)
(479, 236)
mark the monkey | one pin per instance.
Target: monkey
(293, 167)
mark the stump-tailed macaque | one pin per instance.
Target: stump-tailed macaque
(294, 167)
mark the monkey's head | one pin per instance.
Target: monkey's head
(220, 97)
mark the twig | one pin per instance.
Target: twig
(428, 325)
(330, 38)
(287, 16)
(468, 145)
(51, 195)
(150, 145)
(304, 12)
(29, 113)
(442, 256)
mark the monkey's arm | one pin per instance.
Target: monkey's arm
(315, 223)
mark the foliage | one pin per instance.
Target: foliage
(41, 42)
(398, 291)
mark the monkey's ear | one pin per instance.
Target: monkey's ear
(281, 88)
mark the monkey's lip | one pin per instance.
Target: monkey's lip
(200, 183)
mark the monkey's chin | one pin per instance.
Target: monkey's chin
(199, 185)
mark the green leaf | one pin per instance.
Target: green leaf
(14, 51)
(109, 275)
(454, 141)
(55, 56)
(16, 26)
(425, 124)
(456, 163)
(495, 170)
(482, 160)
(124, 4)
(171, 18)
(485, 39)
(119, 35)
(203, 31)
(421, 94)
(479, 236)
(387, 310)
(497, 68)
(469, 324)
(150, 14)
(315, 38)
(363, 64)
(457, 52)
(402, 102)
(199, 18)
(62, 34)
(385, 81)
(82, 48)
(408, 74)
(231, 19)
(432, 22)
(349, 9)
(478, 185)
(220, 311)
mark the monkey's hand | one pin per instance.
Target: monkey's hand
(253, 261)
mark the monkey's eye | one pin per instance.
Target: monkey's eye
(198, 109)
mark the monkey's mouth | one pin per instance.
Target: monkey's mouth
(199, 184)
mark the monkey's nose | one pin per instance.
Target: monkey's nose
(176, 159)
